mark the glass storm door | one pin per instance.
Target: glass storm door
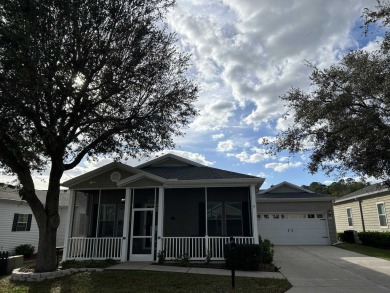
(142, 235)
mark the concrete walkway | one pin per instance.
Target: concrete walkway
(148, 266)
(323, 269)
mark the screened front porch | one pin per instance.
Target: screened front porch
(136, 223)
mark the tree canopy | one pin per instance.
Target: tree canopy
(345, 121)
(83, 79)
(337, 189)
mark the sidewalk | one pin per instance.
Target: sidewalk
(148, 266)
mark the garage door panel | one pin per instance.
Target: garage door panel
(294, 231)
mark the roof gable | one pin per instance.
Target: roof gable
(286, 187)
(169, 160)
(102, 173)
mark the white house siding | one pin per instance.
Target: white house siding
(370, 213)
(10, 239)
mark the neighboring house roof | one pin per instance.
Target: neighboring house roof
(290, 192)
(169, 157)
(370, 190)
(13, 194)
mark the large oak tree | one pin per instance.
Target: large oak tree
(81, 79)
(345, 120)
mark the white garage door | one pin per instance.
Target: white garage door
(294, 228)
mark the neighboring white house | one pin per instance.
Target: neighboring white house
(367, 209)
(291, 215)
(17, 223)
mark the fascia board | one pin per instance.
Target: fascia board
(320, 199)
(207, 182)
(375, 193)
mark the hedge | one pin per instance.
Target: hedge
(375, 239)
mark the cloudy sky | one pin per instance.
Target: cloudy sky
(245, 55)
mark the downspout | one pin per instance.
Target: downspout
(361, 214)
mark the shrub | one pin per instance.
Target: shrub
(247, 257)
(341, 237)
(267, 251)
(26, 250)
(207, 259)
(161, 257)
(375, 239)
(183, 260)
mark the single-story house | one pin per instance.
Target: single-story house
(290, 215)
(17, 223)
(169, 204)
(364, 210)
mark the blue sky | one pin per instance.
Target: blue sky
(245, 55)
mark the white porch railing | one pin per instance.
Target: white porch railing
(94, 248)
(197, 247)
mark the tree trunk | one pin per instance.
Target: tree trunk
(48, 224)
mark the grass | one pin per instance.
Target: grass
(143, 281)
(366, 250)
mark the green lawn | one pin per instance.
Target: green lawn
(370, 251)
(143, 281)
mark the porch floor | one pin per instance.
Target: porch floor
(148, 266)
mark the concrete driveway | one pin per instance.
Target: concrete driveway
(330, 269)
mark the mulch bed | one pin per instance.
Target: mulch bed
(217, 265)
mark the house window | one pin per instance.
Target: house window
(349, 217)
(224, 218)
(233, 212)
(22, 222)
(382, 214)
(214, 218)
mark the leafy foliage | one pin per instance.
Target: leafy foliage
(345, 120)
(337, 189)
(26, 250)
(375, 239)
(83, 79)
(243, 257)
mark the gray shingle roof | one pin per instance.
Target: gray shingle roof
(368, 190)
(292, 195)
(193, 173)
(13, 194)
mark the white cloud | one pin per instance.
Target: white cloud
(280, 167)
(225, 146)
(217, 136)
(258, 155)
(214, 116)
(264, 139)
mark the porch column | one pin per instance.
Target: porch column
(126, 220)
(255, 231)
(206, 238)
(160, 219)
(69, 222)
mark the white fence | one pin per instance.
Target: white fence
(94, 248)
(197, 247)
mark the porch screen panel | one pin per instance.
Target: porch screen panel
(214, 218)
(233, 204)
(181, 212)
(83, 213)
(111, 213)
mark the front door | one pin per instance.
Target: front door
(142, 234)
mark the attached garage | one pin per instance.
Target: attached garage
(290, 215)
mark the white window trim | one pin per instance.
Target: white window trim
(346, 210)
(385, 214)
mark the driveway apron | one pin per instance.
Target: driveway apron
(330, 269)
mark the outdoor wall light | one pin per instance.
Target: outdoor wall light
(329, 213)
